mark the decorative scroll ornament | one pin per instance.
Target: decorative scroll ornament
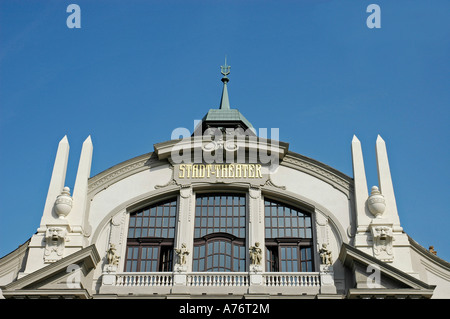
(255, 192)
(269, 182)
(171, 181)
(220, 144)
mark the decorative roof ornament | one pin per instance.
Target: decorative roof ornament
(431, 250)
(225, 70)
(376, 202)
(63, 203)
(224, 101)
(224, 117)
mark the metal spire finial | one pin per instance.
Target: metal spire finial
(225, 69)
(224, 102)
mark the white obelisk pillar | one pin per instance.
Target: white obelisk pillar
(56, 183)
(361, 193)
(385, 182)
(78, 217)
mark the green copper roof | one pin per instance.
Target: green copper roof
(225, 115)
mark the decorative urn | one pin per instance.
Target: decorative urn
(376, 202)
(63, 203)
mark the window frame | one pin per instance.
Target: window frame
(165, 245)
(211, 235)
(206, 240)
(278, 244)
(273, 246)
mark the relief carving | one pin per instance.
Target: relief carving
(325, 255)
(255, 258)
(55, 238)
(112, 259)
(182, 254)
(382, 242)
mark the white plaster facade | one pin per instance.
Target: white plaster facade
(70, 256)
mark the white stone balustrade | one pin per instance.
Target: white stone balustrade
(291, 279)
(218, 279)
(157, 279)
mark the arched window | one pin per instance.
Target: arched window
(219, 233)
(289, 239)
(151, 233)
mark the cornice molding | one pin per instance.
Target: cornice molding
(350, 255)
(161, 156)
(317, 169)
(433, 261)
(88, 255)
(14, 261)
(122, 170)
(164, 149)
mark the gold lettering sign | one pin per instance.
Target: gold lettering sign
(228, 171)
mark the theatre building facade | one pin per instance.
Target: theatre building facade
(222, 212)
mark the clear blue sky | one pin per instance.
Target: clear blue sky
(136, 70)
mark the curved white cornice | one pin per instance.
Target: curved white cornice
(161, 156)
(322, 171)
(122, 170)
(165, 150)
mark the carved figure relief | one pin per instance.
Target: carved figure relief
(325, 255)
(113, 258)
(255, 254)
(182, 254)
(255, 258)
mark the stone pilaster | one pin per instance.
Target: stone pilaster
(185, 227)
(327, 285)
(256, 220)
